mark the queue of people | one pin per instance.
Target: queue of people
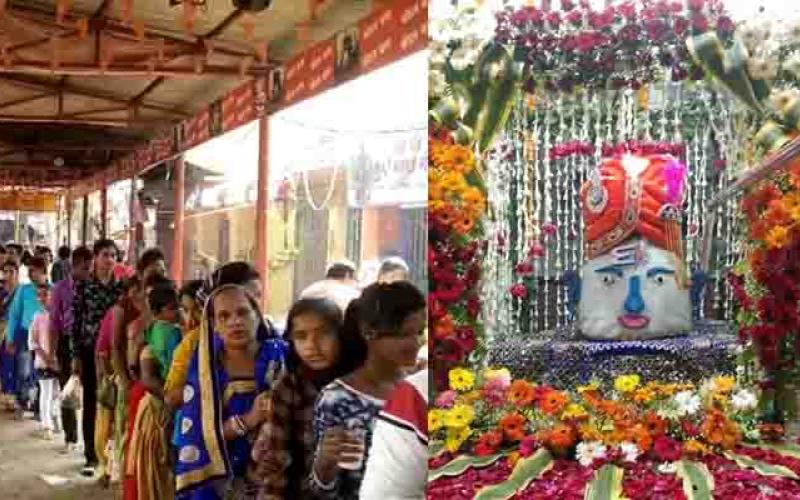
(190, 392)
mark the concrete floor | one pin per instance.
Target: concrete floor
(31, 469)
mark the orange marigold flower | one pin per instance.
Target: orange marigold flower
(562, 437)
(720, 431)
(778, 237)
(642, 438)
(552, 402)
(521, 393)
(513, 426)
(656, 426)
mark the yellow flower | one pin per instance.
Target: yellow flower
(459, 416)
(794, 213)
(590, 432)
(724, 384)
(456, 437)
(435, 420)
(592, 386)
(777, 237)
(461, 379)
(626, 383)
(573, 410)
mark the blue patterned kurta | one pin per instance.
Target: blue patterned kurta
(340, 405)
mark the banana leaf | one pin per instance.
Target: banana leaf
(460, 464)
(606, 485)
(763, 468)
(526, 470)
(698, 483)
(499, 103)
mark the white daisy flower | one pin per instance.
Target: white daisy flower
(744, 400)
(687, 402)
(762, 69)
(588, 451)
(630, 452)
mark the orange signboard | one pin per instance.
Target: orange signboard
(28, 202)
(377, 38)
(310, 71)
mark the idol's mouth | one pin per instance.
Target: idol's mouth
(633, 321)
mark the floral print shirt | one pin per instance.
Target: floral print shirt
(340, 405)
(93, 299)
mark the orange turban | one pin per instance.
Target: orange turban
(634, 195)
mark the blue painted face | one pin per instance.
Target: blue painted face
(633, 291)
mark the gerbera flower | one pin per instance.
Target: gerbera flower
(626, 383)
(513, 426)
(562, 437)
(656, 426)
(461, 379)
(521, 393)
(552, 402)
(435, 420)
(459, 416)
(456, 437)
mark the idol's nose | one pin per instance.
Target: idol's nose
(634, 304)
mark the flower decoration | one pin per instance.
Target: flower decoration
(624, 45)
(456, 203)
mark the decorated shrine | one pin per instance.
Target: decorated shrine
(612, 250)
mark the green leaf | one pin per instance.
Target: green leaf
(698, 483)
(436, 448)
(526, 470)
(762, 468)
(606, 485)
(499, 102)
(460, 464)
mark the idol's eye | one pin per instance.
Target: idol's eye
(659, 279)
(659, 275)
(609, 279)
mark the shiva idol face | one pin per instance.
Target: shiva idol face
(632, 292)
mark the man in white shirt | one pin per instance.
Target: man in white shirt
(339, 285)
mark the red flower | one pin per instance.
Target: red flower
(435, 308)
(448, 350)
(489, 443)
(473, 307)
(656, 29)
(567, 5)
(465, 337)
(699, 23)
(662, 8)
(627, 10)
(450, 291)
(524, 269)
(666, 449)
(575, 17)
(680, 25)
(696, 5)
(519, 291)
(553, 19)
(724, 26)
(689, 428)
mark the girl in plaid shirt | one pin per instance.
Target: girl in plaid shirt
(319, 351)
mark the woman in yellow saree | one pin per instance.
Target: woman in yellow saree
(149, 454)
